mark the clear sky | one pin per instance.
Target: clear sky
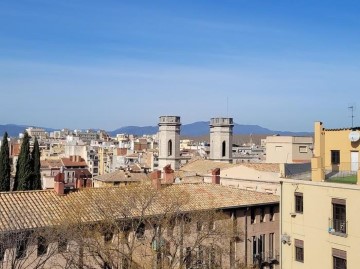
(107, 64)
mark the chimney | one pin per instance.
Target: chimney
(215, 176)
(168, 175)
(59, 183)
(156, 179)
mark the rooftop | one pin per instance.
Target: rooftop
(35, 209)
(122, 176)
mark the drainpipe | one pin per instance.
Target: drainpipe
(281, 220)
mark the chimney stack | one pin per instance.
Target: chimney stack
(156, 179)
(59, 184)
(168, 175)
(215, 176)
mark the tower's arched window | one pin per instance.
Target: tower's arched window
(170, 147)
(223, 149)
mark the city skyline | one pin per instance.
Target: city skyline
(88, 65)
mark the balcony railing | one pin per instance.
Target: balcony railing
(338, 227)
(270, 257)
(342, 172)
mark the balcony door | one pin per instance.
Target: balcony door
(354, 161)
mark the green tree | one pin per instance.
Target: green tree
(5, 165)
(35, 158)
(24, 173)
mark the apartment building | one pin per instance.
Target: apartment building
(39, 133)
(319, 216)
(289, 149)
(250, 220)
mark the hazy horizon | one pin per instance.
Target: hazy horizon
(88, 64)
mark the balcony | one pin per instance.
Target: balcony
(269, 257)
(338, 227)
(342, 173)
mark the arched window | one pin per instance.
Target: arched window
(223, 149)
(170, 147)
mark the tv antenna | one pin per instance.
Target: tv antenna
(352, 109)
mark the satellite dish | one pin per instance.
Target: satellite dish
(354, 136)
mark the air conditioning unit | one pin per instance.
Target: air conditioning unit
(285, 239)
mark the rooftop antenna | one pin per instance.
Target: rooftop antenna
(352, 108)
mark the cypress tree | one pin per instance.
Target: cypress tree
(5, 165)
(35, 158)
(24, 172)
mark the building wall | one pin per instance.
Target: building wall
(288, 149)
(312, 226)
(326, 141)
(249, 179)
(237, 221)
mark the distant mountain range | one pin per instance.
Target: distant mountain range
(14, 130)
(193, 129)
(202, 128)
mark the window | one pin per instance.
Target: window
(42, 246)
(252, 218)
(303, 149)
(335, 157)
(339, 215)
(339, 263)
(223, 149)
(254, 249)
(106, 265)
(21, 247)
(108, 236)
(62, 244)
(140, 231)
(339, 259)
(271, 245)
(2, 252)
(278, 148)
(188, 258)
(262, 214)
(187, 224)
(261, 246)
(199, 226)
(171, 227)
(211, 225)
(170, 147)
(299, 250)
(299, 202)
(271, 213)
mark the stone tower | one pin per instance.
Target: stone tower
(169, 142)
(221, 138)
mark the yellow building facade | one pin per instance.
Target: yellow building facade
(319, 225)
(336, 152)
(319, 217)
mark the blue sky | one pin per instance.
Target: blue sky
(106, 64)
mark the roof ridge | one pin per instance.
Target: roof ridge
(28, 191)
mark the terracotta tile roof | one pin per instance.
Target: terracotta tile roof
(122, 176)
(265, 167)
(51, 163)
(201, 166)
(34, 209)
(67, 162)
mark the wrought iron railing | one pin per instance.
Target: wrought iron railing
(338, 226)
